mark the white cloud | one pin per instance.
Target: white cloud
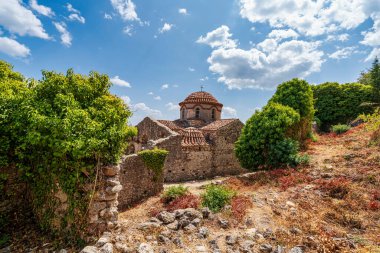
(75, 14)
(305, 16)
(338, 37)
(165, 86)
(151, 93)
(128, 30)
(266, 65)
(120, 82)
(126, 99)
(172, 107)
(41, 9)
(229, 112)
(70, 8)
(203, 79)
(191, 69)
(126, 9)
(65, 35)
(219, 37)
(143, 108)
(13, 48)
(372, 37)
(374, 53)
(283, 34)
(77, 17)
(107, 16)
(17, 19)
(343, 53)
(182, 11)
(165, 28)
(157, 98)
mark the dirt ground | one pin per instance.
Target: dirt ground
(330, 205)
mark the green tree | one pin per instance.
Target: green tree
(58, 131)
(298, 95)
(375, 79)
(340, 103)
(262, 134)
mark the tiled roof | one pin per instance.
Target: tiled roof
(173, 125)
(215, 125)
(192, 137)
(200, 97)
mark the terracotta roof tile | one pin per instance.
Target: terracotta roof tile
(173, 125)
(200, 97)
(215, 125)
(192, 137)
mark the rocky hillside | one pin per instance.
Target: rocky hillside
(330, 205)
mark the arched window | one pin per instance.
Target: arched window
(183, 114)
(197, 113)
(213, 113)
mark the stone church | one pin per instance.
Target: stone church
(200, 143)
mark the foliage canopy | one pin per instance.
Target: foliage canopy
(57, 131)
(340, 103)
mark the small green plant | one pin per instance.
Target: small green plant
(154, 159)
(340, 128)
(302, 159)
(173, 192)
(216, 197)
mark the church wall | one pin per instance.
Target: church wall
(224, 160)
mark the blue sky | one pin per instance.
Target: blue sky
(157, 52)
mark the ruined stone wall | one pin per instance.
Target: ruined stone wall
(224, 160)
(138, 181)
(193, 163)
(103, 212)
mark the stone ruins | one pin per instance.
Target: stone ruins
(200, 143)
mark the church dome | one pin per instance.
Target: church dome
(200, 97)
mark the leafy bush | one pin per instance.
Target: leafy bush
(216, 197)
(154, 159)
(284, 152)
(340, 128)
(340, 103)
(182, 202)
(298, 95)
(373, 124)
(263, 133)
(173, 192)
(57, 131)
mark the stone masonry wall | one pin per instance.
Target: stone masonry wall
(224, 160)
(191, 163)
(103, 212)
(139, 182)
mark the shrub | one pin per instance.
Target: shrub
(216, 197)
(373, 124)
(298, 95)
(340, 103)
(154, 159)
(262, 134)
(58, 131)
(173, 192)
(340, 128)
(284, 152)
(182, 202)
(239, 206)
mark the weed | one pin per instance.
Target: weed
(239, 206)
(341, 128)
(336, 187)
(173, 192)
(216, 197)
(183, 202)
